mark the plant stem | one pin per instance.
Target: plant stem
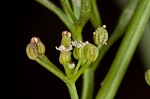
(77, 32)
(52, 7)
(95, 15)
(126, 50)
(72, 89)
(76, 7)
(88, 84)
(84, 67)
(52, 68)
(119, 31)
(67, 6)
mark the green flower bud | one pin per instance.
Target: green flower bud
(90, 52)
(38, 44)
(78, 52)
(35, 48)
(100, 36)
(66, 38)
(147, 77)
(31, 51)
(65, 57)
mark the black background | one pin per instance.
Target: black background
(23, 78)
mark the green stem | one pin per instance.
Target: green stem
(77, 32)
(119, 31)
(72, 90)
(76, 7)
(125, 52)
(77, 67)
(51, 6)
(77, 75)
(52, 68)
(66, 5)
(95, 15)
(88, 84)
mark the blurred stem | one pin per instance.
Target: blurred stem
(126, 50)
(95, 15)
(55, 9)
(88, 84)
(67, 6)
(119, 31)
(144, 49)
(76, 7)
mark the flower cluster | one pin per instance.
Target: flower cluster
(81, 50)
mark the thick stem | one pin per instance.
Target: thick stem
(72, 89)
(88, 84)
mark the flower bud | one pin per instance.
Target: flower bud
(31, 51)
(65, 57)
(90, 52)
(100, 36)
(38, 44)
(35, 48)
(78, 53)
(147, 77)
(66, 38)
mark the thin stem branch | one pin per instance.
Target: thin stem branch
(52, 7)
(67, 6)
(77, 75)
(52, 68)
(95, 15)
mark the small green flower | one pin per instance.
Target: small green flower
(90, 52)
(65, 54)
(100, 36)
(147, 77)
(35, 48)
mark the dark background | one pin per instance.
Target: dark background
(23, 78)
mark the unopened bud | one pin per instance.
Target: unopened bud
(31, 51)
(38, 44)
(65, 57)
(66, 38)
(78, 52)
(100, 36)
(147, 77)
(90, 52)
(35, 48)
